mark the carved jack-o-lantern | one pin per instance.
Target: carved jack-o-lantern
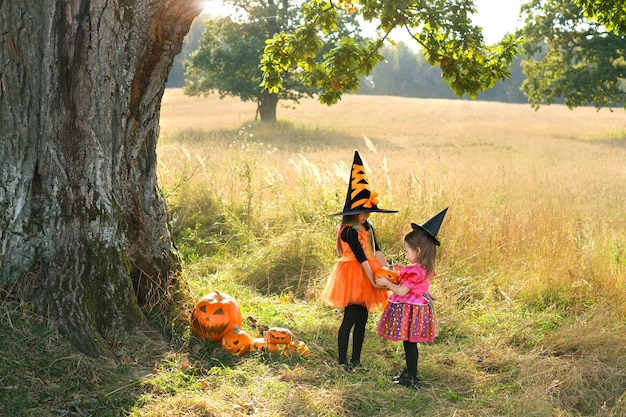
(279, 335)
(257, 344)
(236, 342)
(295, 347)
(303, 349)
(392, 276)
(214, 315)
(290, 349)
(261, 345)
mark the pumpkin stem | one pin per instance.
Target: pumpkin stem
(235, 329)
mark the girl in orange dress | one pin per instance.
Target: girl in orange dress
(351, 284)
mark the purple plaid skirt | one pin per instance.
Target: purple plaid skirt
(410, 322)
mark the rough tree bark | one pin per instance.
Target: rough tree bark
(266, 107)
(82, 222)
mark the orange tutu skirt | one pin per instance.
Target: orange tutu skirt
(348, 284)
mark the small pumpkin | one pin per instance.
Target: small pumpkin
(260, 345)
(392, 276)
(303, 349)
(271, 347)
(257, 344)
(236, 342)
(295, 347)
(290, 349)
(278, 335)
(214, 315)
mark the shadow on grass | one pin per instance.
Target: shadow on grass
(41, 374)
(282, 135)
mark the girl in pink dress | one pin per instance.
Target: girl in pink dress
(409, 316)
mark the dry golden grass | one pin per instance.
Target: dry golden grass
(400, 120)
(536, 196)
(180, 112)
(531, 289)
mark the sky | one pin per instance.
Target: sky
(497, 17)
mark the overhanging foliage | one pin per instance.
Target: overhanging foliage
(442, 28)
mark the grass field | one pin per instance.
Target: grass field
(531, 284)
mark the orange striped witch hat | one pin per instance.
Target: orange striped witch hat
(360, 199)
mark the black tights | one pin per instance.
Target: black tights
(412, 355)
(354, 315)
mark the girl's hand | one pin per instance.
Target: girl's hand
(397, 267)
(382, 283)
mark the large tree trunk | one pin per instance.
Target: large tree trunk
(266, 107)
(83, 226)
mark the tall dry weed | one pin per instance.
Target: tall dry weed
(537, 213)
(530, 283)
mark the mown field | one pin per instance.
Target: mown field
(531, 283)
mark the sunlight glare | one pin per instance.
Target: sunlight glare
(216, 8)
(496, 17)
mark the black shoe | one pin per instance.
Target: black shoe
(408, 381)
(357, 365)
(403, 374)
(346, 366)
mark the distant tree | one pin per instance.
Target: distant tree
(399, 73)
(571, 57)
(405, 72)
(227, 60)
(443, 29)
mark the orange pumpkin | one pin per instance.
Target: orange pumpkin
(278, 335)
(214, 315)
(290, 349)
(295, 347)
(257, 344)
(236, 342)
(303, 349)
(392, 276)
(271, 347)
(261, 345)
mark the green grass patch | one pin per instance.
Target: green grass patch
(530, 287)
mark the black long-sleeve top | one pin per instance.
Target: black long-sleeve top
(351, 237)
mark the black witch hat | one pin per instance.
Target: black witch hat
(431, 227)
(360, 199)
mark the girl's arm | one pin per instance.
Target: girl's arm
(368, 271)
(381, 258)
(370, 275)
(350, 235)
(378, 253)
(397, 289)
